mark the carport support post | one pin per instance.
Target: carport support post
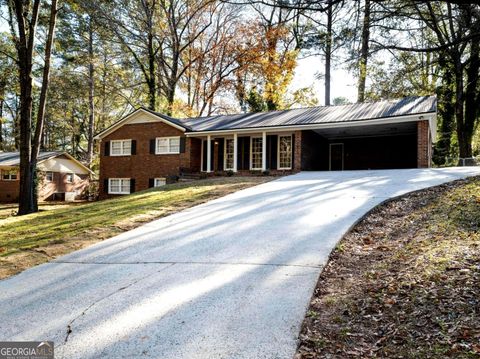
(209, 153)
(264, 151)
(235, 152)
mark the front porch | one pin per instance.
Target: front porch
(240, 152)
(389, 145)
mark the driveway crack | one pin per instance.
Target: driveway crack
(70, 324)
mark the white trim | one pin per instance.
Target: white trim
(330, 155)
(10, 174)
(121, 184)
(46, 176)
(235, 152)
(278, 152)
(163, 179)
(69, 157)
(70, 174)
(170, 152)
(264, 151)
(251, 154)
(201, 157)
(122, 153)
(290, 128)
(124, 120)
(209, 154)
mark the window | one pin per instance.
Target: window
(9, 175)
(256, 147)
(229, 154)
(119, 185)
(159, 182)
(49, 176)
(167, 145)
(69, 177)
(120, 148)
(284, 152)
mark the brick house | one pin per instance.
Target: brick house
(61, 177)
(145, 147)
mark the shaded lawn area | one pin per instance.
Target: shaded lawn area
(404, 283)
(58, 229)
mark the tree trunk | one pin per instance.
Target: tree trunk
(446, 113)
(2, 91)
(459, 110)
(328, 53)
(151, 82)
(172, 82)
(91, 89)
(364, 51)
(24, 46)
(42, 102)
(471, 99)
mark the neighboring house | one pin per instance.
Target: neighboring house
(145, 147)
(61, 177)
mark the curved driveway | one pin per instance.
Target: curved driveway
(231, 278)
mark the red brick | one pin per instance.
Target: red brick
(142, 166)
(424, 144)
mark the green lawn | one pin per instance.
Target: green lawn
(61, 228)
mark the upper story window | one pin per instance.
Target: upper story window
(49, 176)
(120, 147)
(69, 177)
(165, 145)
(9, 175)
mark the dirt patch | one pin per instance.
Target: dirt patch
(404, 283)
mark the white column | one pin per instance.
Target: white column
(235, 152)
(264, 151)
(209, 153)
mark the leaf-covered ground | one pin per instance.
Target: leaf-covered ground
(404, 283)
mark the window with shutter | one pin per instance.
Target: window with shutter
(167, 145)
(120, 147)
(119, 185)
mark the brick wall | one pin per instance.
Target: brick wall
(9, 190)
(142, 166)
(297, 152)
(424, 145)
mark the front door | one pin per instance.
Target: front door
(336, 157)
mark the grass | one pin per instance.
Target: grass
(404, 283)
(58, 229)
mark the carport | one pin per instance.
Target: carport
(361, 147)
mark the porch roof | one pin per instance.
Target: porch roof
(408, 106)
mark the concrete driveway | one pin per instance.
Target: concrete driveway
(231, 278)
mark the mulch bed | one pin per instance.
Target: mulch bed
(404, 283)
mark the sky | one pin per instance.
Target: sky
(343, 83)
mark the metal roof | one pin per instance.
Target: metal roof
(13, 158)
(315, 115)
